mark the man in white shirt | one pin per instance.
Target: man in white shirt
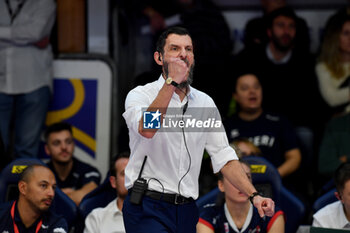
(337, 214)
(110, 218)
(163, 200)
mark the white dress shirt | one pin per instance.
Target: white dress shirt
(105, 220)
(168, 159)
(331, 216)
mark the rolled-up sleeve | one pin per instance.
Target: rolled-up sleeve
(218, 147)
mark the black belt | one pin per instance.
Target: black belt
(167, 197)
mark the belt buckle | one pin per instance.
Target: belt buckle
(179, 199)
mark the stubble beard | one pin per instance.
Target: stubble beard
(280, 46)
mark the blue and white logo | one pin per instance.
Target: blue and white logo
(151, 120)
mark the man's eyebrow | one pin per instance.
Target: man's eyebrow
(43, 181)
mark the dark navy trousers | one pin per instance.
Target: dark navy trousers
(155, 216)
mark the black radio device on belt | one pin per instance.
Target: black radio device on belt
(139, 188)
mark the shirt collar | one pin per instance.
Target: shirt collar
(343, 221)
(18, 219)
(116, 211)
(270, 56)
(233, 224)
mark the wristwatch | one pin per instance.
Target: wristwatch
(170, 81)
(251, 197)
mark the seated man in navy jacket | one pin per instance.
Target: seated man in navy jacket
(74, 178)
(30, 213)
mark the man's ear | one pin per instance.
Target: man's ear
(221, 185)
(158, 58)
(22, 187)
(269, 32)
(112, 181)
(338, 196)
(47, 151)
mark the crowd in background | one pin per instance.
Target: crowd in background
(291, 104)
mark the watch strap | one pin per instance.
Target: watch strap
(251, 197)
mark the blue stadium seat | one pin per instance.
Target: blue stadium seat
(265, 176)
(99, 197)
(209, 197)
(9, 177)
(61, 205)
(324, 200)
(294, 210)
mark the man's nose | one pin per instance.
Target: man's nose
(51, 192)
(64, 145)
(183, 53)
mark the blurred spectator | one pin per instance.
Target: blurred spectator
(25, 71)
(288, 78)
(110, 218)
(30, 213)
(272, 133)
(74, 178)
(235, 213)
(335, 146)
(244, 147)
(333, 67)
(256, 28)
(337, 214)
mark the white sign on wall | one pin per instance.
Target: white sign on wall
(82, 97)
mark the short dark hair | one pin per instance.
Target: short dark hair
(172, 30)
(112, 170)
(241, 73)
(283, 11)
(57, 127)
(341, 176)
(28, 172)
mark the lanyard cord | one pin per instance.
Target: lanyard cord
(15, 228)
(13, 15)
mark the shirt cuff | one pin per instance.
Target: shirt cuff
(224, 156)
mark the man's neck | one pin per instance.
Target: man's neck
(120, 202)
(63, 170)
(347, 213)
(277, 54)
(250, 116)
(181, 93)
(26, 213)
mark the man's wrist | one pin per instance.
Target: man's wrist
(170, 81)
(251, 197)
